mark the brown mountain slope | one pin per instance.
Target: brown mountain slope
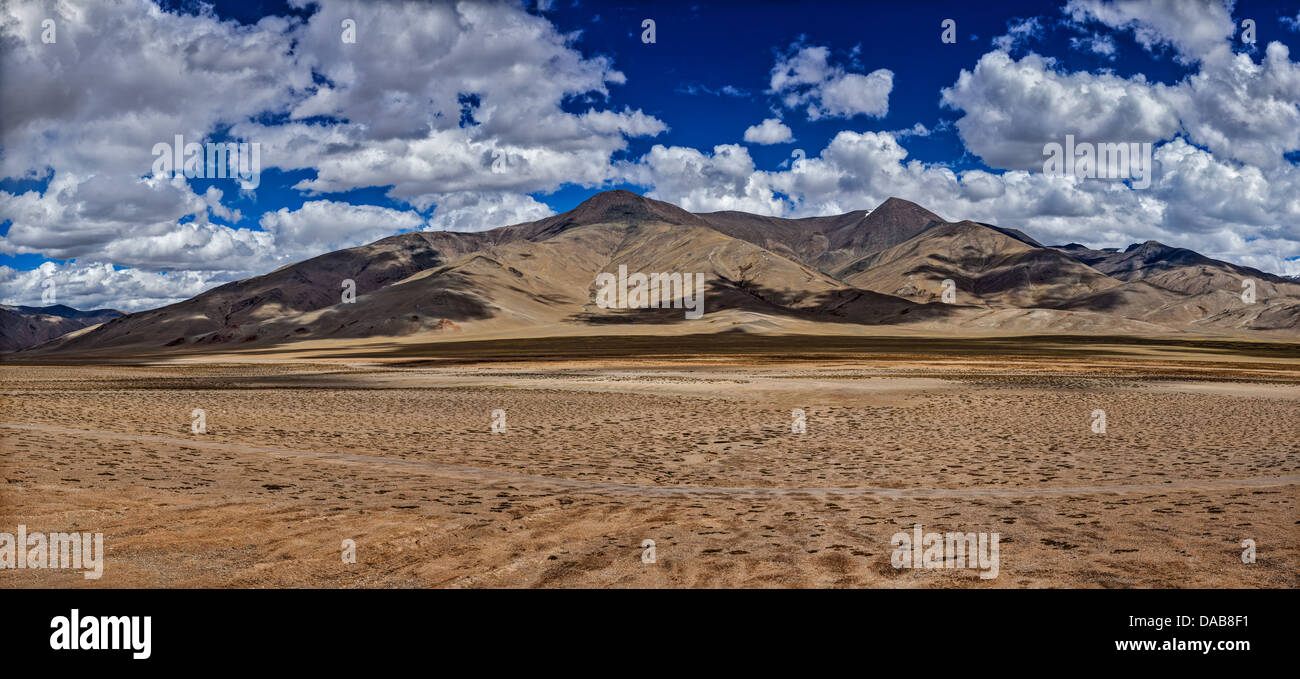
(894, 222)
(827, 243)
(1221, 309)
(527, 285)
(217, 315)
(799, 240)
(1180, 270)
(1177, 286)
(988, 266)
(1276, 315)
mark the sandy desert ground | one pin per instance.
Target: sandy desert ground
(690, 447)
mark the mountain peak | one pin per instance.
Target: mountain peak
(611, 198)
(892, 222)
(1156, 255)
(1148, 246)
(618, 205)
(55, 310)
(615, 198)
(894, 202)
(1155, 251)
(899, 208)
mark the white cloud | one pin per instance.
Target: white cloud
(918, 130)
(66, 223)
(806, 76)
(123, 76)
(1236, 107)
(481, 211)
(1102, 45)
(86, 111)
(98, 285)
(770, 131)
(78, 216)
(407, 127)
(1018, 33)
(1241, 109)
(1192, 28)
(724, 91)
(320, 226)
(1011, 108)
(704, 182)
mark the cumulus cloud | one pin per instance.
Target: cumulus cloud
(1011, 108)
(320, 226)
(480, 211)
(1242, 109)
(770, 131)
(1192, 29)
(124, 76)
(805, 75)
(98, 285)
(340, 109)
(135, 220)
(725, 179)
(1236, 107)
(507, 69)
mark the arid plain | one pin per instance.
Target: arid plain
(686, 441)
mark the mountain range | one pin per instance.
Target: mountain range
(864, 272)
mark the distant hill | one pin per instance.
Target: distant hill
(28, 326)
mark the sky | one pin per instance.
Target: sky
(376, 118)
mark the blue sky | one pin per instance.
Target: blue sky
(397, 131)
